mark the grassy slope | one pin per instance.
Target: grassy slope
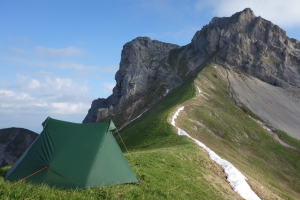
(172, 167)
(168, 166)
(218, 123)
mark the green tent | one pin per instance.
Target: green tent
(77, 156)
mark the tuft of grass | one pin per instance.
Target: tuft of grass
(288, 139)
(272, 61)
(244, 108)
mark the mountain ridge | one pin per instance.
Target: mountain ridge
(170, 166)
(243, 43)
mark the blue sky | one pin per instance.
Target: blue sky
(57, 56)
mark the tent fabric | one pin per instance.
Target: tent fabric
(78, 156)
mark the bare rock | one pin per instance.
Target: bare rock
(143, 65)
(252, 44)
(13, 143)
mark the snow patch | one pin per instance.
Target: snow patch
(133, 119)
(266, 128)
(138, 116)
(235, 178)
(200, 92)
(167, 91)
(176, 115)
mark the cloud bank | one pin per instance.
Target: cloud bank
(282, 13)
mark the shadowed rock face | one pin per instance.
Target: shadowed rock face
(13, 143)
(243, 43)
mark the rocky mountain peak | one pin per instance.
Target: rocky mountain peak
(241, 18)
(251, 44)
(242, 42)
(246, 14)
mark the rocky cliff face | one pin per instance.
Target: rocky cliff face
(243, 43)
(143, 65)
(13, 143)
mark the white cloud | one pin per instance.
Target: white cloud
(283, 13)
(11, 101)
(49, 85)
(29, 111)
(70, 108)
(45, 52)
(33, 62)
(64, 52)
(108, 87)
(47, 95)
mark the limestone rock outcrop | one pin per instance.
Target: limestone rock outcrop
(143, 64)
(251, 44)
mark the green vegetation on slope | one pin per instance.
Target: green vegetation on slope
(287, 139)
(228, 131)
(168, 166)
(167, 173)
(153, 130)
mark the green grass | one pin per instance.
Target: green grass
(244, 108)
(168, 173)
(272, 61)
(153, 130)
(152, 94)
(168, 166)
(179, 62)
(287, 139)
(173, 57)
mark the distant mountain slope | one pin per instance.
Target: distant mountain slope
(275, 105)
(13, 143)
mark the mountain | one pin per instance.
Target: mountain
(13, 143)
(236, 87)
(238, 81)
(245, 45)
(143, 72)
